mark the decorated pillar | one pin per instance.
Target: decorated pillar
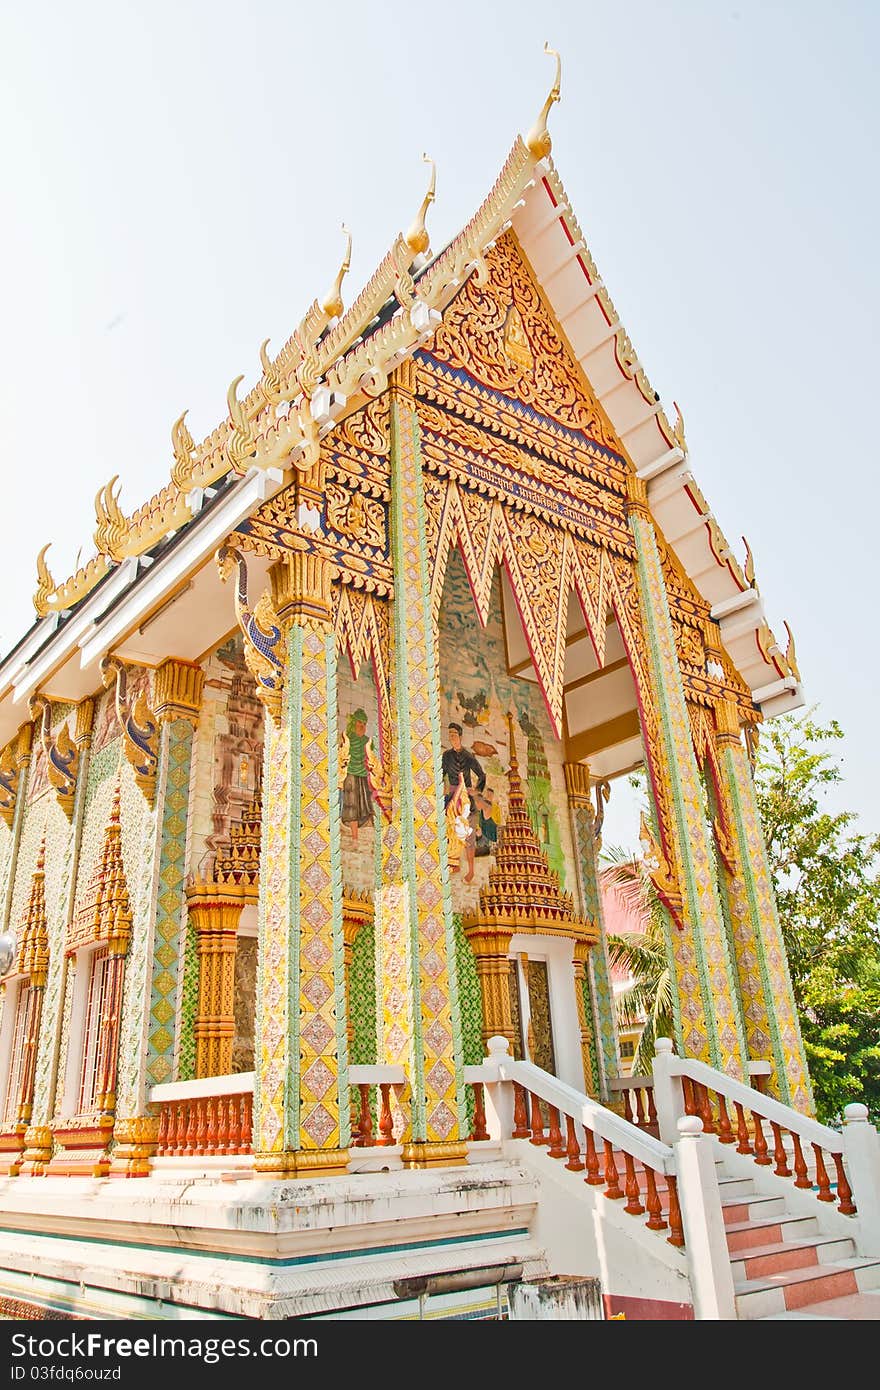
(15, 761)
(596, 997)
(215, 910)
(772, 1028)
(67, 765)
(301, 1063)
(32, 967)
(419, 1020)
(682, 867)
(157, 744)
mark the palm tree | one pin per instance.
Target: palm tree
(643, 955)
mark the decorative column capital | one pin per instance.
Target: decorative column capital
(84, 723)
(727, 724)
(24, 744)
(215, 907)
(404, 379)
(577, 782)
(177, 692)
(301, 589)
(637, 496)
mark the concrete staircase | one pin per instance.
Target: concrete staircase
(784, 1267)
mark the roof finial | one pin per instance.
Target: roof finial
(749, 566)
(332, 302)
(791, 655)
(417, 238)
(46, 585)
(538, 138)
(678, 429)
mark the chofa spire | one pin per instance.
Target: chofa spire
(538, 139)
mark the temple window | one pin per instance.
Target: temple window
(17, 999)
(93, 969)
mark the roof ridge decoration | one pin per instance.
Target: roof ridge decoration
(334, 363)
(280, 421)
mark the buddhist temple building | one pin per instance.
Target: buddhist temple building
(307, 1000)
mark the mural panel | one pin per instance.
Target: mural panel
(476, 693)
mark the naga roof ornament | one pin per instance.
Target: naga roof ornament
(417, 238)
(538, 140)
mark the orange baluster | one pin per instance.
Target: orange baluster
(191, 1127)
(642, 1113)
(211, 1107)
(762, 1156)
(688, 1090)
(822, 1180)
(593, 1176)
(162, 1143)
(247, 1121)
(201, 1125)
(782, 1169)
(742, 1130)
(627, 1107)
(725, 1133)
(386, 1119)
(223, 1125)
(801, 1176)
(479, 1131)
(705, 1111)
(846, 1205)
(235, 1146)
(655, 1220)
(365, 1118)
(633, 1203)
(537, 1121)
(557, 1148)
(520, 1114)
(652, 1112)
(676, 1231)
(612, 1177)
(572, 1148)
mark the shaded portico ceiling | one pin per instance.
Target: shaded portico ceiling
(600, 709)
(151, 589)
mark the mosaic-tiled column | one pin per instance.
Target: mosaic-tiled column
(156, 965)
(301, 1102)
(38, 1138)
(712, 1029)
(601, 1019)
(14, 772)
(770, 1014)
(419, 1024)
(491, 948)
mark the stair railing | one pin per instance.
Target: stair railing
(795, 1146)
(680, 1193)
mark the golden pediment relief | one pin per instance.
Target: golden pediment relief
(503, 334)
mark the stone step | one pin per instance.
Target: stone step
(771, 1230)
(798, 1288)
(756, 1261)
(750, 1208)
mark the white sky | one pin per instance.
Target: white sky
(175, 179)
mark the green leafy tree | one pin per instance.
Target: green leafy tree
(826, 874)
(641, 955)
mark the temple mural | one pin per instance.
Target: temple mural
(359, 774)
(476, 694)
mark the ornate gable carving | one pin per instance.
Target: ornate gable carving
(502, 333)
